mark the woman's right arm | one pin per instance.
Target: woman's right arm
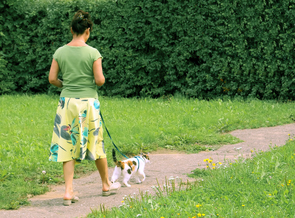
(97, 71)
(53, 74)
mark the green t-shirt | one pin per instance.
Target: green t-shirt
(76, 66)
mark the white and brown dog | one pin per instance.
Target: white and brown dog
(129, 167)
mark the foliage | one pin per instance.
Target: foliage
(6, 77)
(204, 49)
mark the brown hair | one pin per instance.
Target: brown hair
(81, 21)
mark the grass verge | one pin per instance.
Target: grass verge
(262, 186)
(189, 125)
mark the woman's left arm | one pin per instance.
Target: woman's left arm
(53, 74)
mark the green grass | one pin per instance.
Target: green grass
(135, 124)
(258, 187)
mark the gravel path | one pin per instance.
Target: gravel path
(163, 164)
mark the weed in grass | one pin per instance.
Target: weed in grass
(102, 212)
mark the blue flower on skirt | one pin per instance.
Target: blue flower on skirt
(54, 151)
(96, 104)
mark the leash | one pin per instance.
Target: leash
(111, 137)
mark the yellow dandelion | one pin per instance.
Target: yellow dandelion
(213, 168)
(289, 181)
(220, 163)
(252, 151)
(207, 166)
(291, 139)
(210, 161)
(269, 194)
(162, 217)
(288, 134)
(213, 164)
(231, 177)
(205, 160)
(197, 205)
(282, 185)
(122, 201)
(230, 163)
(203, 214)
(199, 215)
(178, 214)
(243, 205)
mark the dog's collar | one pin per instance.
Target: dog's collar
(137, 158)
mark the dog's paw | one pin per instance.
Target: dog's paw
(127, 185)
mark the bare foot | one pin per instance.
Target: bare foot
(69, 195)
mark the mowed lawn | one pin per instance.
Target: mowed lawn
(135, 124)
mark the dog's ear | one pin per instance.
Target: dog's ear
(146, 156)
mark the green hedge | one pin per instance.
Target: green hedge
(197, 48)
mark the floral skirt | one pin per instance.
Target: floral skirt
(77, 133)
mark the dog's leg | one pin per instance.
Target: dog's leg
(142, 174)
(137, 177)
(126, 177)
(125, 180)
(116, 174)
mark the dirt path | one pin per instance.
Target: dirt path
(162, 165)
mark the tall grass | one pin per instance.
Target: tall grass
(135, 124)
(258, 187)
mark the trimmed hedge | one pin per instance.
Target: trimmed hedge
(204, 49)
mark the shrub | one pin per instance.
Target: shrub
(204, 49)
(6, 77)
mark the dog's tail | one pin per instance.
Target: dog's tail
(118, 163)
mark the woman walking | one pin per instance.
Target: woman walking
(78, 133)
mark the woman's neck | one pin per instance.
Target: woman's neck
(77, 41)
